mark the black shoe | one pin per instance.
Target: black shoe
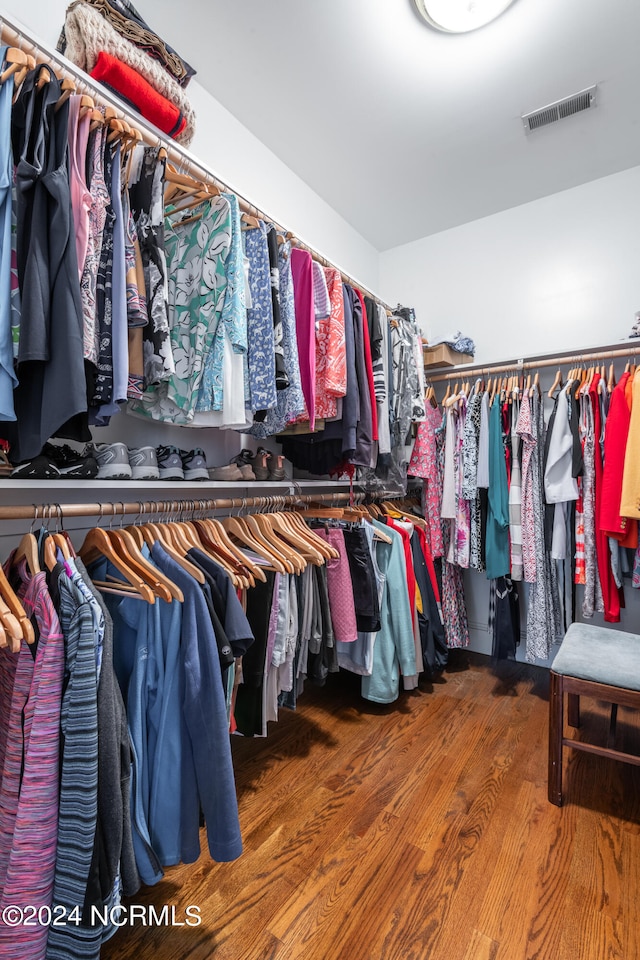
(71, 464)
(39, 468)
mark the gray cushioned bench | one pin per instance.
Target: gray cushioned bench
(594, 662)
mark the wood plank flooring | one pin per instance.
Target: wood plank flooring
(417, 831)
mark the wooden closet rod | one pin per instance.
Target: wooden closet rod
(16, 36)
(117, 508)
(530, 364)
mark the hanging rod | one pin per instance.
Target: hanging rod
(15, 35)
(561, 359)
(46, 511)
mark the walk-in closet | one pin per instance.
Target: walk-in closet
(319, 480)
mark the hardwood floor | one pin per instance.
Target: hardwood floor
(417, 831)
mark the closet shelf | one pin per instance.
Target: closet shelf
(621, 348)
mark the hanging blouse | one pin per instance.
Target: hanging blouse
(146, 191)
(302, 272)
(100, 201)
(331, 357)
(78, 134)
(196, 257)
(290, 401)
(261, 346)
(223, 380)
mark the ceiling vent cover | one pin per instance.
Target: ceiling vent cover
(560, 109)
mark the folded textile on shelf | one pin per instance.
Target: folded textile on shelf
(151, 104)
(124, 18)
(88, 34)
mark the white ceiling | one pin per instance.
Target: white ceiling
(406, 131)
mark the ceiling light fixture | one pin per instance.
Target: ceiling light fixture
(460, 16)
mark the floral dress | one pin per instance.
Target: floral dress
(196, 254)
(146, 193)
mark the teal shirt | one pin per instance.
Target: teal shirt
(394, 649)
(497, 538)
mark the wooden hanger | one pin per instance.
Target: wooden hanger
(239, 530)
(215, 538)
(17, 60)
(556, 383)
(68, 87)
(296, 520)
(263, 534)
(239, 577)
(98, 543)
(173, 545)
(14, 604)
(295, 539)
(162, 585)
(611, 382)
(15, 624)
(249, 222)
(28, 549)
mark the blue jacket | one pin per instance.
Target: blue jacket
(206, 773)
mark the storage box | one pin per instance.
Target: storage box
(443, 356)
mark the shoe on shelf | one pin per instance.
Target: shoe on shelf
(230, 471)
(38, 468)
(244, 463)
(72, 464)
(276, 468)
(261, 464)
(113, 461)
(194, 464)
(169, 463)
(144, 463)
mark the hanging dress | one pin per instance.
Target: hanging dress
(50, 399)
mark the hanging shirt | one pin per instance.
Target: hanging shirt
(394, 649)
(261, 349)
(78, 135)
(196, 253)
(146, 192)
(497, 551)
(290, 401)
(302, 273)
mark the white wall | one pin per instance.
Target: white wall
(554, 274)
(240, 160)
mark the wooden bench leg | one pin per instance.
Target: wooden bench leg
(573, 709)
(556, 730)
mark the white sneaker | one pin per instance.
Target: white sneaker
(144, 463)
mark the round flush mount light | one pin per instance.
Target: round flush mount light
(460, 16)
